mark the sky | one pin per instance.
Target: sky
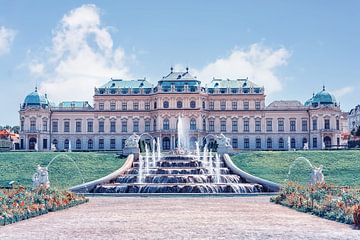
(67, 48)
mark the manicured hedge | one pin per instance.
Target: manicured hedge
(20, 203)
(340, 204)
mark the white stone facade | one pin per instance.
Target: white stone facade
(233, 107)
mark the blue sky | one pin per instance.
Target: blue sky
(290, 47)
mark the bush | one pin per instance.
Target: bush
(340, 204)
(20, 203)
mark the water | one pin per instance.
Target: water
(183, 139)
(205, 155)
(140, 170)
(210, 162)
(300, 170)
(158, 149)
(63, 155)
(147, 156)
(289, 143)
(153, 153)
(197, 151)
(217, 168)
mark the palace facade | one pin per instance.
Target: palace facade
(235, 108)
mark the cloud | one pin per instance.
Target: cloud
(342, 91)
(7, 36)
(257, 62)
(81, 57)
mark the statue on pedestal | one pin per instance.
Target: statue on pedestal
(316, 175)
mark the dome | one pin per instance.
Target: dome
(35, 99)
(321, 98)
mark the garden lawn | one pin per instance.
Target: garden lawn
(341, 167)
(63, 172)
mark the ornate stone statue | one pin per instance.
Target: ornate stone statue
(224, 144)
(316, 175)
(132, 141)
(41, 177)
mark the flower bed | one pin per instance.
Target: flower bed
(20, 203)
(324, 200)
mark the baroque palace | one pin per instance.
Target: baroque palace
(235, 108)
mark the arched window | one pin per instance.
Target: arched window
(293, 143)
(90, 144)
(155, 105)
(179, 104)
(66, 144)
(78, 144)
(166, 124)
(269, 143)
(55, 142)
(281, 143)
(193, 124)
(304, 141)
(203, 104)
(166, 104)
(193, 104)
(166, 143)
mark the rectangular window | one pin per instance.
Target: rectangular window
(235, 143)
(78, 126)
(223, 105)
(112, 126)
(154, 125)
(223, 125)
(269, 125)
(337, 125)
(101, 126)
(314, 123)
(234, 125)
(292, 125)
(246, 125)
(258, 143)
(257, 125)
(55, 127)
(112, 143)
(304, 125)
(211, 105)
(246, 105)
(257, 105)
(124, 126)
(112, 106)
(147, 126)
(22, 126)
(327, 123)
(45, 144)
(246, 143)
(90, 126)
(234, 105)
(45, 125)
(147, 106)
(280, 125)
(135, 126)
(32, 125)
(66, 126)
(124, 106)
(314, 142)
(101, 106)
(136, 106)
(211, 125)
(101, 143)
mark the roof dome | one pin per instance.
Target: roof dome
(321, 98)
(35, 99)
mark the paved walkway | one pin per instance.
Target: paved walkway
(178, 218)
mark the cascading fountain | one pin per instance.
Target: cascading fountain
(158, 149)
(147, 156)
(183, 141)
(205, 155)
(197, 150)
(140, 170)
(210, 163)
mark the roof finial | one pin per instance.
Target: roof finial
(323, 87)
(171, 69)
(187, 69)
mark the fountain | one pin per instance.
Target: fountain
(289, 143)
(158, 149)
(153, 153)
(217, 168)
(183, 141)
(197, 150)
(210, 163)
(69, 150)
(314, 174)
(147, 159)
(141, 170)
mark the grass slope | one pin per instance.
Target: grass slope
(340, 167)
(63, 173)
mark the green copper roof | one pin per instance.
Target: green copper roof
(227, 83)
(321, 98)
(119, 83)
(36, 99)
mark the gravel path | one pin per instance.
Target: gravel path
(178, 218)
